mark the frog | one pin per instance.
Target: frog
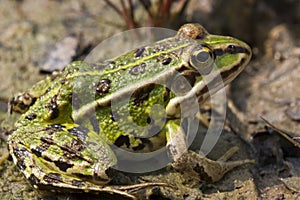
(71, 120)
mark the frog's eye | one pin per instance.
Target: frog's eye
(202, 60)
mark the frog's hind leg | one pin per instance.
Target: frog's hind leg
(61, 156)
(54, 181)
(67, 158)
(195, 165)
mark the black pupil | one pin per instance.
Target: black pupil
(230, 49)
(202, 56)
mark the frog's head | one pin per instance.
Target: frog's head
(230, 55)
(224, 54)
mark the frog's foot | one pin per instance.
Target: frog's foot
(196, 165)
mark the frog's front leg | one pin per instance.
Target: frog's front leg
(194, 165)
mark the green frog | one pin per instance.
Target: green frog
(71, 120)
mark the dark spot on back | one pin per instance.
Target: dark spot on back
(80, 132)
(57, 126)
(53, 108)
(142, 94)
(121, 140)
(37, 151)
(47, 140)
(139, 52)
(62, 164)
(148, 120)
(52, 178)
(77, 183)
(103, 87)
(47, 159)
(141, 146)
(20, 164)
(138, 69)
(73, 150)
(166, 61)
(31, 116)
(167, 95)
(20, 152)
(138, 100)
(48, 89)
(54, 112)
(90, 177)
(33, 180)
(53, 128)
(77, 145)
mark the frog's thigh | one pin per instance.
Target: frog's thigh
(30, 164)
(61, 159)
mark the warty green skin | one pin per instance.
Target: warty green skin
(70, 119)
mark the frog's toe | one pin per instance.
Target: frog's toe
(198, 167)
